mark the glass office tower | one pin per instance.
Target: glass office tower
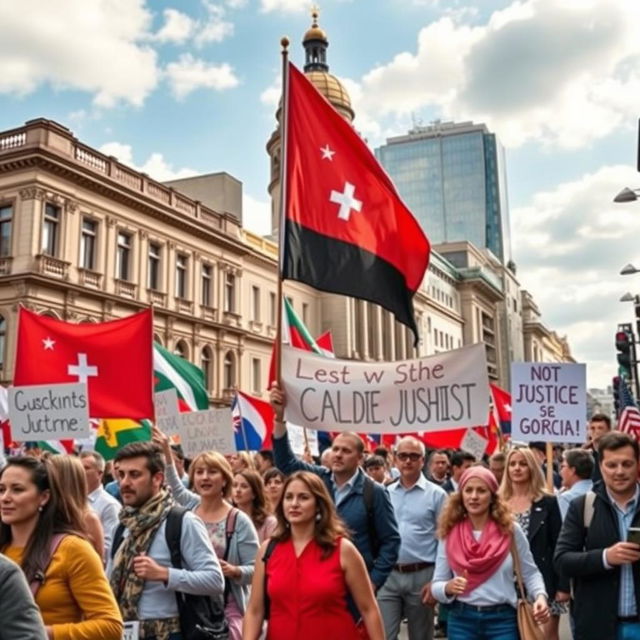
(452, 177)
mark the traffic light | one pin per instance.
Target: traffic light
(616, 395)
(623, 345)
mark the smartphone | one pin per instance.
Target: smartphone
(633, 535)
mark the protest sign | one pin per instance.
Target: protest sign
(131, 630)
(49, 412)
(548, 402)
(296, 439)
(445, 391)
(474, 443)
(207, 430)
(165, 404)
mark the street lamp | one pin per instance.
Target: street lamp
(627, 195)
(628, 270)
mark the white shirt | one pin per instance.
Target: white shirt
(108, 510)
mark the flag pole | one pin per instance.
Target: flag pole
(242, 431)
(284, 113)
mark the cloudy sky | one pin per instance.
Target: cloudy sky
(189, 86)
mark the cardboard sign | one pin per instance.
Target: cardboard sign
(474, 443)
(445, 391)
(296, 439)
(549, 402)
(49, 412)
(207, 430)
(167, 413)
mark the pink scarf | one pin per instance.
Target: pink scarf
(479, 558)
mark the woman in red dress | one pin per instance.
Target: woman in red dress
(309, 573)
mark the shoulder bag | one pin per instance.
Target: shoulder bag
(527, 626)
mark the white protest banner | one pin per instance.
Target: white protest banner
(445, 391)
(548, 402)
(167, 413)
(207, 430)
(49, 412)
(296, 439)
(474, 443)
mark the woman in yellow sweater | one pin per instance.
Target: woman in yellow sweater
(75, 599)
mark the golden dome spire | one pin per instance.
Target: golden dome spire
(315, 32)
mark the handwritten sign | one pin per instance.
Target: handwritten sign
(207, 430)
(131, 630)
(549, 402)
(440, 392)
(167, 413)
(49, 412)
(296, 439)
(474, 443)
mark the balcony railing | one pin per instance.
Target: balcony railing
(50, 266)
(5, 266)
(90, 278)
(157, 297)
(125, 288)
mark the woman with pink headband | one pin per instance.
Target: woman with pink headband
(474, 570)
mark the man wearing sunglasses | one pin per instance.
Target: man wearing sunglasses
(417, 503)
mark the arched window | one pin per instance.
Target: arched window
(3, 337)
(157, 338)
(229, 371)
(181, 349)
(206, 366)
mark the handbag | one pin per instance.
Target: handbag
(527, 626)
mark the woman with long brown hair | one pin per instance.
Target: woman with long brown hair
(247, 491)
(273, 483)
(44, 532)
(474, 570)
(72, 477)
(311, 558)
(538, 514)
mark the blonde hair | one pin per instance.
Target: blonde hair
(537, 488)
(247, 460)
(213, 460)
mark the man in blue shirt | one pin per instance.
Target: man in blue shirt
(604, 564)
(417, 503)
(575, 469)
(373, 527)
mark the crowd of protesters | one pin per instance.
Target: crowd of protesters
(351, 545)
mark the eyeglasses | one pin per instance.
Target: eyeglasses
(414, 457)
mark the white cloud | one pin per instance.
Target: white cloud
(189, 73)
(177, 27)
(570, 244)
(560, 71)
(215, 28)
(288, 6)
(256, 215)
(97, 47)
(154, 166)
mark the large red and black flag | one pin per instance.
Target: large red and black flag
(346, 229)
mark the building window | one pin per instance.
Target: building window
(3, 337)
(205, 294)
(272, 309)
(256, 375)
(180, 349)
(88, 244)
(181, 275)
(230, 293)
(50, 229)
(6, 216)
(229, 371)
(205, 365)
(255, 303)
(123, 265)
(153, 278)
(305, 313)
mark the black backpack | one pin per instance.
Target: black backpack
(201, 617)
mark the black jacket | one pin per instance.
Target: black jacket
(544, 528)
(579, 556)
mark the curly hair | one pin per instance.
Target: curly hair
(454, 511)
(328, 527)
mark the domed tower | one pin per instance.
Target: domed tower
(316, 68)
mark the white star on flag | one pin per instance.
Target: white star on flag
(48, 343)
(327, 152)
